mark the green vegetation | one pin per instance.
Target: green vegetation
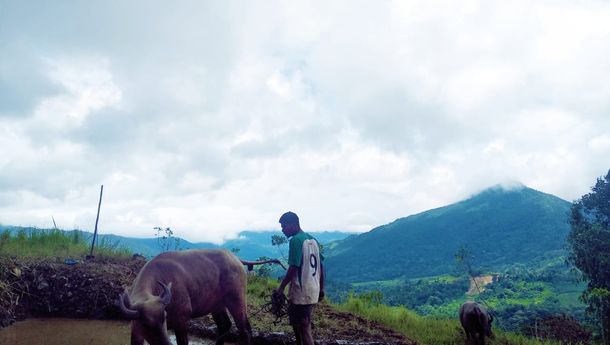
(413, 293)
(499, 227)
(520, 296)
(259, 290)
(589, 251)
(33, 243)
(422, 329)
(518, 236)
(523, 298)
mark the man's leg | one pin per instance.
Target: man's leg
(300, 319)
(306, 334)
(303, 334)
(297, 334)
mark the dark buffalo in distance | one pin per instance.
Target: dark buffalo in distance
(476, 322)
(174, 287)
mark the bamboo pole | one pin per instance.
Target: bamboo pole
(90, 256)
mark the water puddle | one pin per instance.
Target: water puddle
(73, 331)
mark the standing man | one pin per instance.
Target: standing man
(305, 276)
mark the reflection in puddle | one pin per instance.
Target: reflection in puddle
(73, 331)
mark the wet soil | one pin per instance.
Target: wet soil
(58, 331)
(89, 288)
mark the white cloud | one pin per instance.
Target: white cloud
(213, 118)
(600, 143)
(88, 87)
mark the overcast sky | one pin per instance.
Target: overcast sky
(216, 117)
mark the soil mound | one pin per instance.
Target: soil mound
(63, 288)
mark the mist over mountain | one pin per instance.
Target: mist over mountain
(499, 226)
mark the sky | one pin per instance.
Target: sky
(217, 117)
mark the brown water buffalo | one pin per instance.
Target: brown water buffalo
(476, 322)
(176, 286)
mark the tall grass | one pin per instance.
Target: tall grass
(422, 329)
(53, 243)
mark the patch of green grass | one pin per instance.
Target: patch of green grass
(446, 310)
(445, 278)
(570, 299)
(259, 292)
(422, 329)
(438, 278)
(384, 283)
(54, 243)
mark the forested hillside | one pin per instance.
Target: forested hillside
(499, 227)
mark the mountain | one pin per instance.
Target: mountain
(497, 226)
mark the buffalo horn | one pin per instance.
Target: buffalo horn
(129, 313)
(166, 294)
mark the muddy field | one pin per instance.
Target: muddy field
(88, 289)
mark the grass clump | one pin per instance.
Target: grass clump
(41, 243)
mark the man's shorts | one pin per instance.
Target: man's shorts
(300, 314)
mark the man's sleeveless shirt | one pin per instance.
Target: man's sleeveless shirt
(305, 254)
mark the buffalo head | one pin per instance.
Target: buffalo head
(148, 315)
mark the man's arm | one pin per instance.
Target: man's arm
(290, 274)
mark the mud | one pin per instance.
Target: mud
(58, 331)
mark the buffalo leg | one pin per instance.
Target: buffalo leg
(238, 311)
(137, 337)
(181, 332)
(223, 323)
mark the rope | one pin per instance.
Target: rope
(277, 305)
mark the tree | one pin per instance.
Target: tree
(589, 251)
(279, 241)
(463, 257)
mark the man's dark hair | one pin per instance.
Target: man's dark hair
(289, 218)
